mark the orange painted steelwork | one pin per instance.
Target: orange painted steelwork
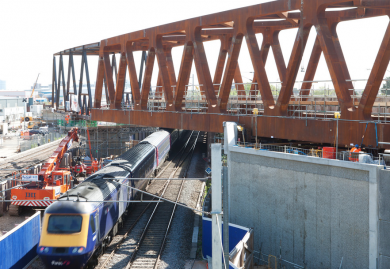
(231, 27)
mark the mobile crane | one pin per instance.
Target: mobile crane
(48, 184)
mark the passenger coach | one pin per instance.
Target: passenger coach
(78, 227)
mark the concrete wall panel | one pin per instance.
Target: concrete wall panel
(384, 240)
(384, 261)
(317, 213)
(384, 194)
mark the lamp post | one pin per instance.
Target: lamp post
(24, 113)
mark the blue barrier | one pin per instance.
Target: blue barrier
(236, 234)
(18, 246)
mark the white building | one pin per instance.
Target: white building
(10, 114)
(21, 94)
(36, 110)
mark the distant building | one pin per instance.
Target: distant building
(18, 94)
(3, 85)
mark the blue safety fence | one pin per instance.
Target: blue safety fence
(18, 246)
(236, 234)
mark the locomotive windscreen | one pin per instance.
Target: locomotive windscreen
(64, 224)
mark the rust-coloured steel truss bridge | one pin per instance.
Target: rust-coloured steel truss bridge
(172, 105)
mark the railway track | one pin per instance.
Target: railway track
(140, 242)
(26, 161)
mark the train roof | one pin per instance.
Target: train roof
(101, 184)
(96, 188)
(134, 157)
(156, 138)
(70, 207)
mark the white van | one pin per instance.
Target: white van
(44, 129)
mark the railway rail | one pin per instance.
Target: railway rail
(23, 161)
(140, 242)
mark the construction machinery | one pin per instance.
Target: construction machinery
(36, 124)
(54, 179)
(35, 84)
(27, 118)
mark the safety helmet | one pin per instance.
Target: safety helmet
(356, 146)
(95, 159)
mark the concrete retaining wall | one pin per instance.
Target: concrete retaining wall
(318, 211)
(384, 218)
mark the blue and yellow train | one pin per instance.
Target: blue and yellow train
(78, 227)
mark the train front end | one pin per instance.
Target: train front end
(67, 240)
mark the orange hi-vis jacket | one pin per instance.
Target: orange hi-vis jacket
(354, 157)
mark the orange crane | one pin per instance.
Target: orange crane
(48, 184)
(32, 93)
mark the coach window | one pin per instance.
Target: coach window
(92, 224)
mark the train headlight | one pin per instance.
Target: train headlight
(46, 250)
(74, 250)
(41, 249)
(80, 250)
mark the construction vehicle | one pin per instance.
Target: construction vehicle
(54, 179)
(36, 124)
(27, 118)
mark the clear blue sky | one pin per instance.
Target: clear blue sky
(31, 31)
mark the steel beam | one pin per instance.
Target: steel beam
(54, 92)
(120, 83)
(184, 75)
(135, 85)
(100, 79)
(231, 26)
(147, 78)
(317, 131)
(377, 73)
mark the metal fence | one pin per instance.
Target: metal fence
(29, 142)
(325, 152)
(245, 99)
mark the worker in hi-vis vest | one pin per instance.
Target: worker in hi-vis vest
(354, 154)
(95, 166)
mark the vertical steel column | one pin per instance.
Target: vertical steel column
(120, 83)
(184, 75)
(71, 72)
(135, 85)
(109, 82)
(144, 57)
(89, 105)
(216, 202)
(54, 85)
(114, 68)
(81, 83)
(99, 83)
(226, 216)
(147, 78)
(61, 77)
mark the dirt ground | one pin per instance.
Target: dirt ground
(7, 222)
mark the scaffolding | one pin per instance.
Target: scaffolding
(111, 140)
